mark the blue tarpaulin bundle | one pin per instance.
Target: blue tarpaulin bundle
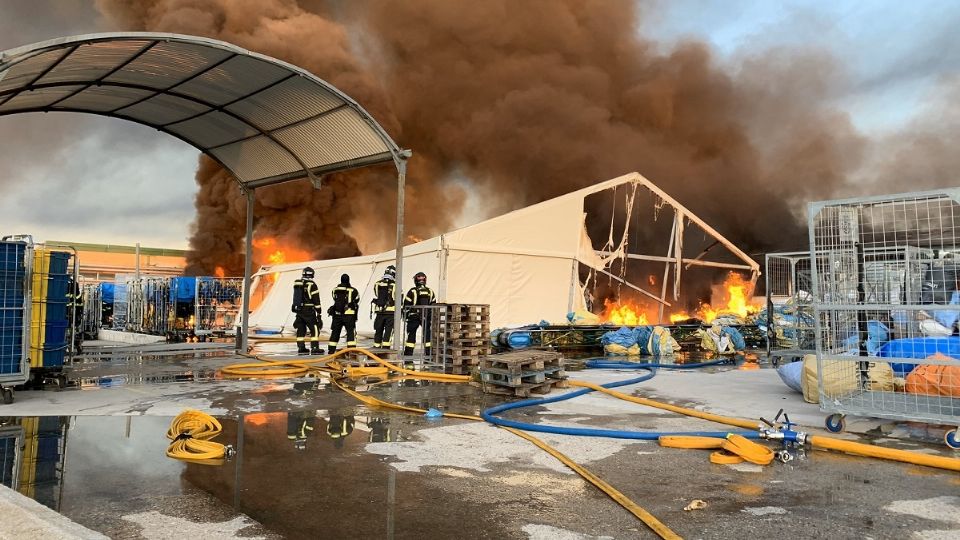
(625, 337)
(106, 292)
(183, 289)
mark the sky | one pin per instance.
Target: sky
(90, 179)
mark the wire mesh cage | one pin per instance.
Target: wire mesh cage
(120, 302)
(16, 265)
(788, 317)
(217, 305)
(886, 272)
(92, 309)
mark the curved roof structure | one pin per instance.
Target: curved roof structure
(264, 120)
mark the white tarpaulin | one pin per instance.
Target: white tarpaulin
(524, 264)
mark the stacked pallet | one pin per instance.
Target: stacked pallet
(521, 373)
(462, 336)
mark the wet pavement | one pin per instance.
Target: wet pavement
(311, 462)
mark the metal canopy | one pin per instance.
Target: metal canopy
(264, 120)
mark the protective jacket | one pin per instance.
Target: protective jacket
(306, 295)
(346, 300)
(384, 292)
(418, 296)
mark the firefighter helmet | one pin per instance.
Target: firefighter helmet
(308, 273)
(391, 271)
(420, 278)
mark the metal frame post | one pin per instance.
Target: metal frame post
(247, 270)
(398, 338)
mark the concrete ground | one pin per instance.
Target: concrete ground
(362, 473)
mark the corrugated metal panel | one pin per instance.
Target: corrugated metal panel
(92, 61)
(24, 72)
(192, 77)
(255, 159)
(213, 129)
(166, 64)
(37, 98)
(233, 79)
(344, 134)
(163, 109)
(290, 101)
(103, 98)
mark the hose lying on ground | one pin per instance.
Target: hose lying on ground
(190, 434)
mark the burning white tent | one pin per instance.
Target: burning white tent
(528, 265)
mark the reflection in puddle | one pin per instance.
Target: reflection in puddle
(298, 473)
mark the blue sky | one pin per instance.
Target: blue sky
(119, 182)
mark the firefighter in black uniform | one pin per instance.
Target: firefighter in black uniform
(346, 302)
(299, 425)
(306, 304)
(419, 295)
(384, 306)
(75, 305)
(339, 428)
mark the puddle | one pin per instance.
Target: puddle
(299, 474)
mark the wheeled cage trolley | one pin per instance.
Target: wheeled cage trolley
(16, 265)
(788, 317)
(886, 288)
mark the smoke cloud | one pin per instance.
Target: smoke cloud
(520, 102)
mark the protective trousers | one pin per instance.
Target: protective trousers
(382, 328)
(340, 322)
(413, 324)
(306, 321)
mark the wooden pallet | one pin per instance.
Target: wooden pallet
(517, 362)
(501, 378)
(526, 389)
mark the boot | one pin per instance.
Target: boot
(315, 350)
(331, 349)
(302, 349)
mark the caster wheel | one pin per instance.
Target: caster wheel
(7, 396)
(835, 423)
(61, 382)
(952, 438)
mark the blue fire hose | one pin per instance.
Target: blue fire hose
(652, 367)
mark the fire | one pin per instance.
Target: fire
(735, 297)
(219, 272)
(625, 314)
(270, 250)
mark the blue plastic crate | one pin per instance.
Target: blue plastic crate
(58, 263)
(11, 255)
(55, 335)
(57, 312)
(57, 287)
(53, 358)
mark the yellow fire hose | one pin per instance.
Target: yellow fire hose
(817, 441)
(190, 434)
(733, 449)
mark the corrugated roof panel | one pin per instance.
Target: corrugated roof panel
(256, 158)
(213, 128)
(292, 100)
(27, 70)
(93, 60)
(233, 79)
(344, 133)
(103, 98)
(163, 109)
(37, 98)
(207, 92)
(168, 63)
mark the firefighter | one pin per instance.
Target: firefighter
(75, 305)
(346, 302)
(419, 295)
(384, 306)
(306, 304)
(339, 428)
(299, 425)
(380, 430)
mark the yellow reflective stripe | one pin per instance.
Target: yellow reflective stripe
(428, 344)
(391, 308)
(301, 338)
(408, 344)
(351, 344)
(332, 343)
(349, 312)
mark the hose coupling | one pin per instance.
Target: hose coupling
(228, 451)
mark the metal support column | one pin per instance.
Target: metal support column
(398, 336)
(247, 270)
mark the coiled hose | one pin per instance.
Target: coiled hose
(190, 434)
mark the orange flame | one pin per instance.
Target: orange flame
(269, 250)
(735, 297)
(219, 272)
(625, 313)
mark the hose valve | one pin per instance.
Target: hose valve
(228, 451)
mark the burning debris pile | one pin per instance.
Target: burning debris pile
(732, 299)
